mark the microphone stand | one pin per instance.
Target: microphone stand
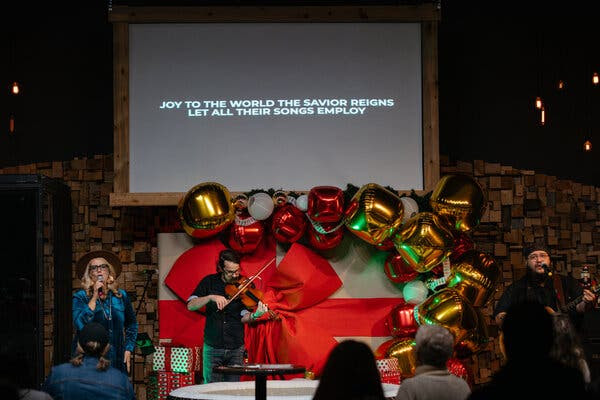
(149, 273)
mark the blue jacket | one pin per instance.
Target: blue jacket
(68, 382)
(116, 315)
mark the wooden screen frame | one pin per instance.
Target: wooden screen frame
(428, 15)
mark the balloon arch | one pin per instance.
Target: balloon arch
(445, 279)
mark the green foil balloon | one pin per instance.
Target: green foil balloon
(374, 213)
(460, 199)
(424, 241)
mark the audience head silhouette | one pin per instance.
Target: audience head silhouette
(434, 345)
(528, 331)
(350, 373)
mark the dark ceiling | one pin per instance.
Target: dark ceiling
(493, 62)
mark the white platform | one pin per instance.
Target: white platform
(295, 389)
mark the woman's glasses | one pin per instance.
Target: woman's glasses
(94, 268)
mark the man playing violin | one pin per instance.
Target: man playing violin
(558, 293)
(224, 329)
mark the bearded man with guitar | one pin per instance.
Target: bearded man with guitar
(558, 293)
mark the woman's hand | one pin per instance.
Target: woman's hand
(127, 359)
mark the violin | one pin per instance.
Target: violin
(246, 290)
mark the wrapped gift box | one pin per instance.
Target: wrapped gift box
(177, 359)
(389, 370)
(161, 383)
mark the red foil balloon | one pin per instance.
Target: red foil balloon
(458, 368)
(462, 244)
(325, 241)
(289, 224)
(401, 320)
(386, 245)
(245, 234)
(397, 270)
(325, 204)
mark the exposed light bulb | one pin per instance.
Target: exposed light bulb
(543, 116)
(595, 78)
(561, 84)
(14, 89)
(587, 146)
(538, 103)
(11, 123)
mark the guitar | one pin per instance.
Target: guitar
(573, 303)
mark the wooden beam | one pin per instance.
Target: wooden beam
(402, 13)
(173, 198)
(431, 146)
(121, 106)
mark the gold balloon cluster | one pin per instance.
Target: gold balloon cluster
(425, 241)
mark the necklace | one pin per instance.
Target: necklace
(108, 316)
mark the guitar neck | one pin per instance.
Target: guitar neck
(573, 303)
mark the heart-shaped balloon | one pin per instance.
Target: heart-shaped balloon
(450, 310)
(374, 213)
(325, 204)
(401, 320)
(474, 276)
(460, 199)
(397, 270)
(288, 224)
(206, 210)
(246, 234)
(424, 241)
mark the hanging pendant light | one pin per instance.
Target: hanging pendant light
(587, 146)
(595, 79)
(15, 89)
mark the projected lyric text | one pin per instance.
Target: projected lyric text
(276, 108)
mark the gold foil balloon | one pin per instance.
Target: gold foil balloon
(424, 241)
(402, 349)
(206, 210)
(450, 310)
(474, 276)
(460, 199)
(374, 213)
(475, 340)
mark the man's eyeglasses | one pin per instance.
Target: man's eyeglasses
(94, 268)
(538, 257)
(237, 271)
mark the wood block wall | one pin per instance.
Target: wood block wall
(523, 207)
(526, 207)
(130, 232)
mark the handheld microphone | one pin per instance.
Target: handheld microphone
(547, 269)
(100, 289)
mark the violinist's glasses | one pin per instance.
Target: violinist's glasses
(237, 271)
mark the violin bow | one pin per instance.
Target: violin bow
(245, 285)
